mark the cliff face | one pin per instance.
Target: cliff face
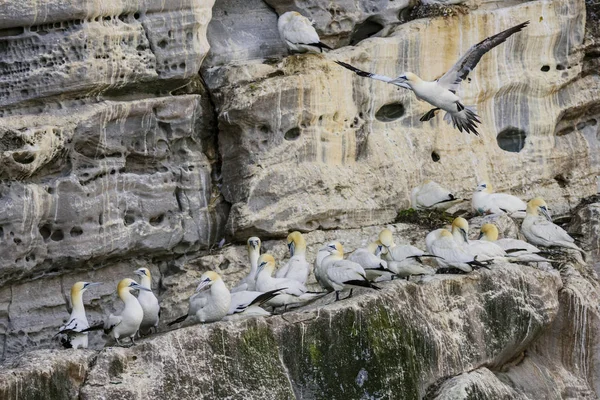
(115, 153)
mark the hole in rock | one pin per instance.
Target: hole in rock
(50, 190)
(511, 139)
(17, 241)
(23, 157)
(545, 68)
(45, 231)
(560, 67)
(57, 235)
(100, 220)
(128, 219)
(292, 134)
(390, 112)
(154, 221)
(561, 180)
(76, 231)
(1, 233)
(435, 156)
(365, 30)
(162, 44)
(12, 31)
(136, 16)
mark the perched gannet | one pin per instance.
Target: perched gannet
(148, 301)
(369, 259)
(340, 275)
(517, 249)
(297, 268)
(247, 283)
(539, 230)
(71, 335)
(247, 303)
(210, 302)
(319, 270)
(485, 201)
(482, 250)
(441, 93)
(403, 260)
(298, 33)
(452, 254)
(431, 195)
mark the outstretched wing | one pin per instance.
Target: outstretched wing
(382, 78)
(459, 71)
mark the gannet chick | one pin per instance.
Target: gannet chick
(247, 283)
(71, 335)
(341, 275)
(299, 34)
(148, 301)
(518, 249)
(431, 195)
(441, 93)
(485, 201)
(539, 230)
(369, 259)
(452, 254)
(247, 304)
(210, 301)
(297, 268)
(128, 322)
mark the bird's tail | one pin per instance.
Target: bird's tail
(263, 298)
(322, 46)
(465, 119)
(96, 327)
(178, 320)
(361, 283)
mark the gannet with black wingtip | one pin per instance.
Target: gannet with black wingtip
(430, 194)
(441, 93)
(297, 267)
(247, 283)
(451, 254)
(485, 201)
(341, 275)
(482, 250)
(319, 270)
(210, 301)
(148, 301)
(71, 335)
(248, 304)
(404, 260)
(126, 324)
(369, 259)
(540, 231)
(298, 33)
(515, 248)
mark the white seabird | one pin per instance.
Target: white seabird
(248, 282)
(298, 33)
(210, 302)
(485, 201)
(148, 301)
(297, 268)
(515, 248)
(369, 259)
(431, 194)
(441, 93)
(403, 260)
(248, 304)
(71, 335)
(540, 231)
(452, 254)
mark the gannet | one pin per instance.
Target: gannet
(441, 93)
(210, 301)
(247, 303)
(319, 270)
(539, 229)
(298, 33)
(148, 301)
(481, 250)
(403, 260)
(297, 268)
(516, 248)
(452, 254)
(71, 335)
(341, 275)
(485, 201)
(369, 259)
(247, 283)
(431, 195)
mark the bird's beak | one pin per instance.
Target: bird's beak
(140, 287)
(480, 235)
(291, 248)
(260, 268)
(546, 214)
(464, 235)
(203, 285)
(379, 250)
(254, 244)
(139, 272)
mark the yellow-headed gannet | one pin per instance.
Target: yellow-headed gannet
(297, 268)
(148, 301)
(404, 260)
(485, 201)
(298, 33)
(210, 302)
(431, 195)
(441, 93)
(369, 259)
(71, 335)
(248, 282)
(539, 229)
(319, 270)
(341, 275)
(451, 254)
(248, 304)
(481, 250)
(515, 248)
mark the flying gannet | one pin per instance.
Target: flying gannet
(540, 231)
(210, 301)
(451, 254)
(71, 335)
(248, 282)
(297, 268)
(404, 260)
(148, 301)
(485, 201)
(298, 33)
(341, 275)
(518, 249)
(431, 195)
(441, 93)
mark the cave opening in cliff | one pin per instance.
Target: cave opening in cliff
(390, 112)
(365, 30)
(511, 139)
